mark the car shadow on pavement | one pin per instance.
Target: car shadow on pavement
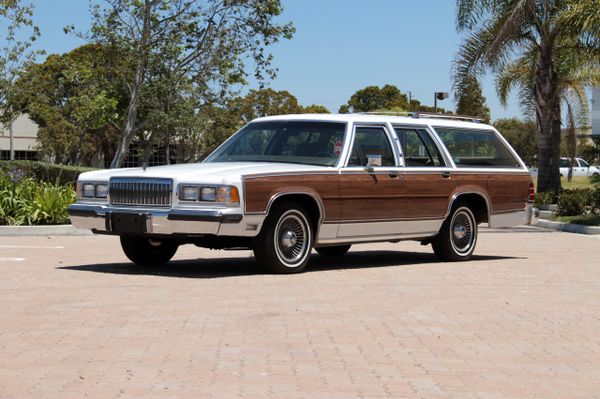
(244, 266)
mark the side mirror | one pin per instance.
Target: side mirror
(373, 161)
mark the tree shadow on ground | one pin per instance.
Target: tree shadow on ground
(244, 266)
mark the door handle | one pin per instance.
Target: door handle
(446, 174)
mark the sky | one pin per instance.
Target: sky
(340, 46)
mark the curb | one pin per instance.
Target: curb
(568, 227)
(59, 230)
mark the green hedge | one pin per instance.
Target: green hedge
(572, 202)
(42, 171)
(27, 201)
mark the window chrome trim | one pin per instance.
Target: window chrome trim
(498, 135)
(436, 142)
(386, 128)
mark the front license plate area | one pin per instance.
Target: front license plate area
(135, 223)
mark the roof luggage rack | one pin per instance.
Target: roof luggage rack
(418, 115)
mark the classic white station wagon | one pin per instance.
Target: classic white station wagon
(284, 185)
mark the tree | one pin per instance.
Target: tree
(374, 98)
(575, 73)
(522, 137)
(75, 101)
(500, 30)
(19, 33)
(213, 124)
(204, 45)
(264, 102)
(315, 109)
(470, 100)
(383, 99)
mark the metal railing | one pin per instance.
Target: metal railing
(418, 115)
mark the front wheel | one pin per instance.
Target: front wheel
(148, 251)
(457, 237)
(285, 241)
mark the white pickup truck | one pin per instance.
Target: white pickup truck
(580, 168)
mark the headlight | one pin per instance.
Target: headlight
(208, 194)
(219, 194)
(101, 190)
(90, 190)
(87, 190)
(188, 193)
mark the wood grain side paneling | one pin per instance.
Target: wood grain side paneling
(428, 194)
(364, 197)
(370, 196)
(506, 191)
(259, 190)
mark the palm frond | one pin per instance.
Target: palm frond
(512, 25)
(470, 12)
(577, 99)
(582, 18)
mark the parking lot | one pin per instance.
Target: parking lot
(520, 320)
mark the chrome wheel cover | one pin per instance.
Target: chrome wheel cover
(292, 238)
(463, 231)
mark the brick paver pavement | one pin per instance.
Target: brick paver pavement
(521, 320)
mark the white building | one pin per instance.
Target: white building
(596, 112)
(24, 139)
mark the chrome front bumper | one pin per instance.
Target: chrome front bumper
(98, 218)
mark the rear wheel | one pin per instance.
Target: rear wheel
(148, 251)
(337, 250)
(457, 237)
(285, 241)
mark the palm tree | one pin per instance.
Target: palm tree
(537, 36)
(576, 73)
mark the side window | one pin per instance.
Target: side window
(371, 141)
(564, 163)
(419, 148)
(476, 148)
(583, 164)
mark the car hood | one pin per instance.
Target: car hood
(214, 172)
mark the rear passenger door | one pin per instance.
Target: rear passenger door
(428, 175)
(372, 199)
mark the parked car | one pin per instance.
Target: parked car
(284, 185)
(580, 168)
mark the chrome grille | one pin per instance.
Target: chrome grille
(152, 192)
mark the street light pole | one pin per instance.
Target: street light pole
(438, 95)
(12, 138)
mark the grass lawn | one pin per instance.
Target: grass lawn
(588, 220)
(576, 182)
(580, 182)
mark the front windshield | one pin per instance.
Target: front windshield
(311, 143)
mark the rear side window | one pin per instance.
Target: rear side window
(476, 148)
(418, 148)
